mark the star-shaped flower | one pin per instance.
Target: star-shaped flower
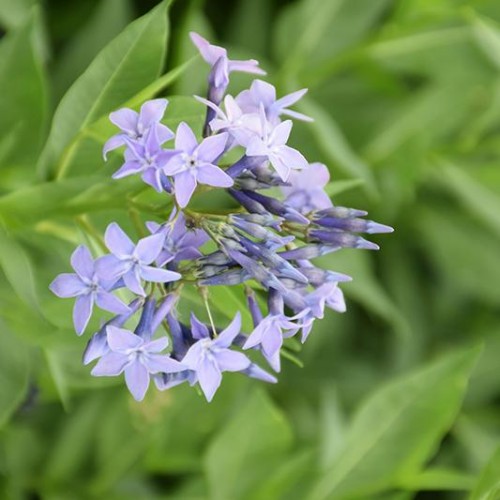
(263, 94)
(148, 159)
(214, 54)
(88, 286)
(135, 125)
(306, 191)
(131, 354)
(195, 163)
(272, 144)
(180, 242)
(132, 262)
(210, 357)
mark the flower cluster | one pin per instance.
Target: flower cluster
(281, 221)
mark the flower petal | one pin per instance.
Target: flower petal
(152, 112)
(213, 176)
(209, 377)
(112, 143)
(227, 336)
(137, 380)
(231, 361)
(108, 302)
(110, 365)
(156, 275)
(109, 267)
(148, 248)
(185, 139)
(82, 311)
(68, 285)
(126, 119)
(117, 241)
(82, 262)
(133, 283)
(159, 363)
(212, 147)
(121, 340)
(185, 184)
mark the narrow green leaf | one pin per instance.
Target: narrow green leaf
(398, 429)
(124, 67)
(14, 370)
(107, 20)
(487, 36)
(335, 147)
(477, 198)
(256, 434)
(24, 96)
(488, 484)
(18, 269)
(438, 479)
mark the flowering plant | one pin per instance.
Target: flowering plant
(282, 219)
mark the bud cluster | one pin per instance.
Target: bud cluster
(282, 221)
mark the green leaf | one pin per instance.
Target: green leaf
(474, 196)
(488, 484)
(14, 370)
(124, 67)
(335, 147)
(24, 96)
(109, 18)
(398, 429)
(18, 269)
(465, 255)
(13, 13)
(67, 197)
(439, 479)
(487, 36)
(255, 435)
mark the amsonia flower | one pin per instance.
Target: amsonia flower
(132, 262)
(213, 54)
(263, 94)
(306, 190)
(210, 357)
(88, 286)
(148, 159)
(135, 126)
(137, 358)
(195, 163)
(180, 243)
(272, 145)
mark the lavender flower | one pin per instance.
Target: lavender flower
(135, 125)
(132, 262)
(210, 357)
(180, 243)
(213, 54)
(88, 287)
(148, 159)
(138, 359)
(271, 330)
(263, 94)
(272, 144)
(306, 190)
(195, 163)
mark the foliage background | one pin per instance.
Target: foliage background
(397, 399)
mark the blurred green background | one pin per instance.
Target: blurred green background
(396, 400)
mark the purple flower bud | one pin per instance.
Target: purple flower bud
(262, 219)
(163, 309)
(144, 327)
(97, 346)
(229, 278)
(341, 239)
(248, 203)
(245, 163)
(307, 252)
(340, 212)
(355, 225)
(255, 371)
(254, 308)
(277, 207)
(217, 258)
